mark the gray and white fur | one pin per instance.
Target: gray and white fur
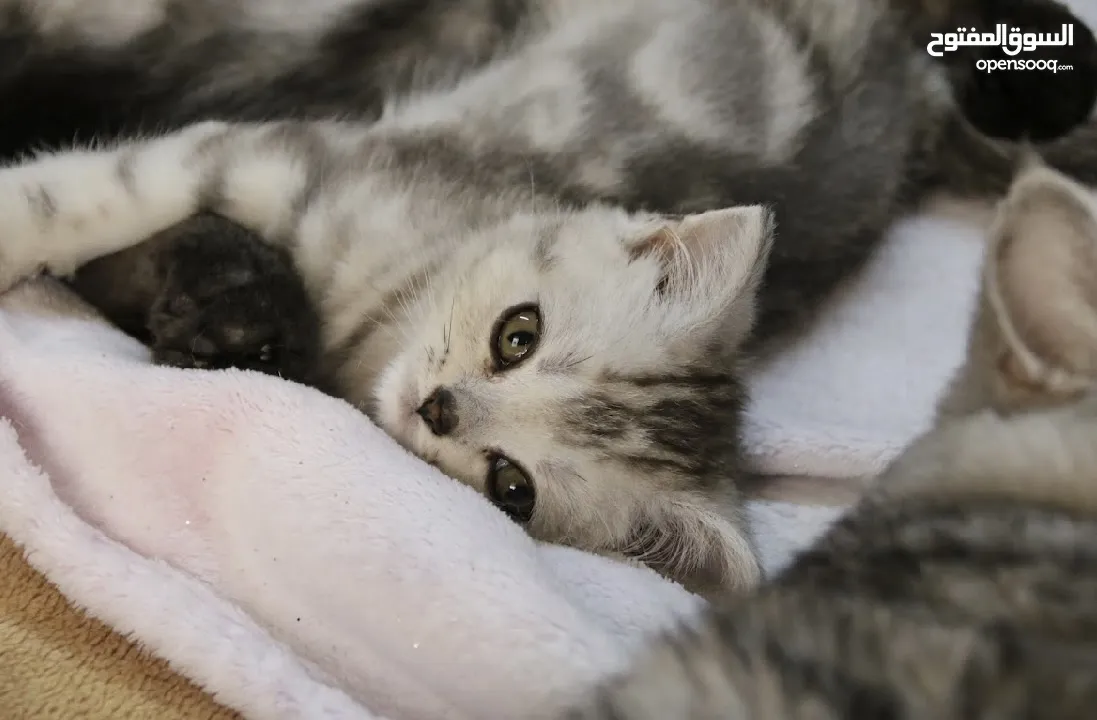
(965, 584)
(662, 181)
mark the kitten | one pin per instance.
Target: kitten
(965, 584)
(541, 276)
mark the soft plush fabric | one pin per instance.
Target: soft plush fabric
(847, 398)
(283, 553)
(57, 663)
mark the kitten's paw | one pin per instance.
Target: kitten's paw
(20, 246)
(11, 273)
(230, 300)
(1005, 100)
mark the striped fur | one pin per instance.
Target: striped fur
(656, 175)
(965, 584)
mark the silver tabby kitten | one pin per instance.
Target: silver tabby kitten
(536, 271)
(965, 584)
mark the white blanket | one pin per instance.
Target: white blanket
(280, 550)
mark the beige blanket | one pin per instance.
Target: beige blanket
(56, 662)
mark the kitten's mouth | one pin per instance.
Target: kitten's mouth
(397, 399)
(404, 425)
(403, 431)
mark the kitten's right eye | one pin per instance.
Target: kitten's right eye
(515, 335)
(510, 488)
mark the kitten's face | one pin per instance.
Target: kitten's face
(579, 371)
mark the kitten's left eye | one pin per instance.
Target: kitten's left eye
(515, 336)
(510, 488)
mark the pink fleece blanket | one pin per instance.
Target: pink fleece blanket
(280, 550)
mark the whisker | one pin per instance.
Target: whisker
(449, 325)
(576, 363)
(532, 185)
(197, 337)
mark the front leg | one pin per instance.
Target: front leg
(61, 210)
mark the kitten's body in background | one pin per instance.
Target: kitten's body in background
(830, 112)
(606, 162)
(965, 584)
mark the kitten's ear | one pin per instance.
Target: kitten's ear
(714, 258)
(706, 552)
(1040, 284)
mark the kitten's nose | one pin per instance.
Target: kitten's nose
(439, 412)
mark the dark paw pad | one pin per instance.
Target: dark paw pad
(1005, 101)
(229, 300)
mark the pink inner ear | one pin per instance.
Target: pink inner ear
(1042, 280)
(1046, 269)
(660, 244)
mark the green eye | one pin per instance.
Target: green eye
(515, 336)
(510, 488)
